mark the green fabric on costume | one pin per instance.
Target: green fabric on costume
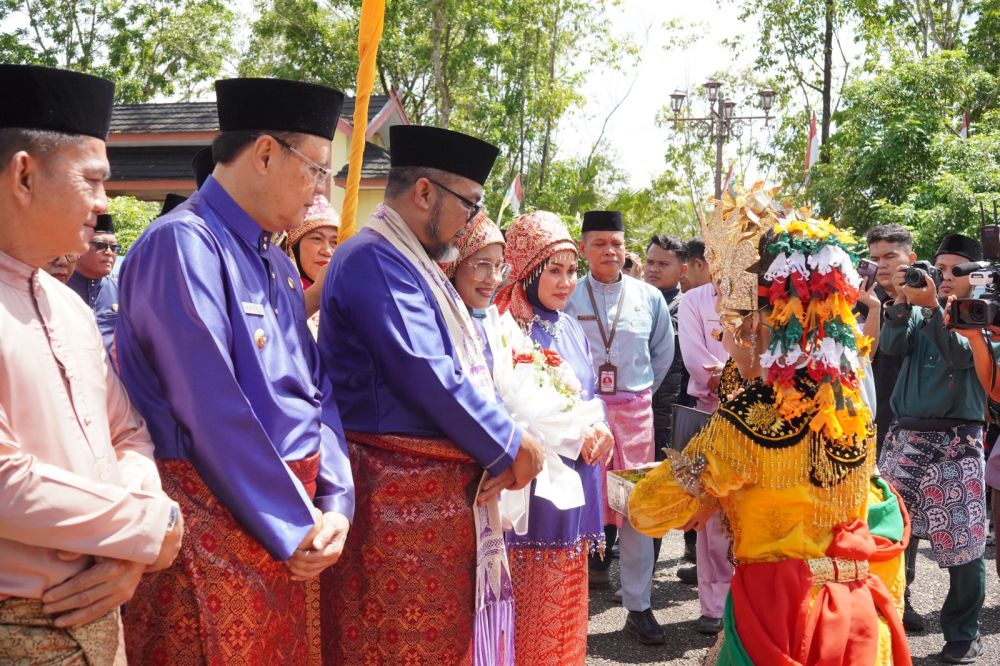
(732, 652)
(885, 518)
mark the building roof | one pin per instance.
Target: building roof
(374, 163)
(170, 117)
(152, 162)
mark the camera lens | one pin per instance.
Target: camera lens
(914, 277)
(978, 313)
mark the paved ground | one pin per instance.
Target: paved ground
(676, 608)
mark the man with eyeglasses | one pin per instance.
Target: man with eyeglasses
(93, 280)
(213, 345)
(422, 420)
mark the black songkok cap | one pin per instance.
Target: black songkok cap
(57, 100)
(962, 246)
(436, 148)
(105, 225)
(278, 105)
(603, 220)
(172, 201)
(202, 165)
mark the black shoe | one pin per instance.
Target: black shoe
(962, 652)
(708, 625)
(688, 575)
(644, 627)
(690, 553)
(913, 622)
(600, 579)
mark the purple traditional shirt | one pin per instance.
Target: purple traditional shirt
(216, 354)
(549, 527)
(391, 361)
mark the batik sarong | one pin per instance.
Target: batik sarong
(29, 637)
(941, 477)
(403, 592)
(630, 418)
(550, 621)
(225, 600)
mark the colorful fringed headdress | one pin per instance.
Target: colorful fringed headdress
(812, 287)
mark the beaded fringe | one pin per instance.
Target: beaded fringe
(839, 491)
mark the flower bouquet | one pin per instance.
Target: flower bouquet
(543, 396)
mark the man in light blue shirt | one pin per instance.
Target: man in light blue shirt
(632, 344)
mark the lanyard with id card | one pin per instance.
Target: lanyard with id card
(607, 374)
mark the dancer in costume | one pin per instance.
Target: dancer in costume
(788, 459)
(312, 245)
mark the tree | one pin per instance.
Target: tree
(504, 70)
(148, 47)
(131, 217)
(897, 157)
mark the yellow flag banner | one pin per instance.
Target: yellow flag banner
(369, 35)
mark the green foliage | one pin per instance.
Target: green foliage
(897, 157)
(504, 70)
(131, 217)
(148, 47)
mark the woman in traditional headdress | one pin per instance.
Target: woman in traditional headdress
(549, 561)
(312, 245)
(789, 459)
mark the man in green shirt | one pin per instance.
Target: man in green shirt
(933, 452)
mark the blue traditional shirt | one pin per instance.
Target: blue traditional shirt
(643, 348)
(216, 354)
(102, 297)
(548, 526)
(391, 361)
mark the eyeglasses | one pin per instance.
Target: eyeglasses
(473, 206)
(482, 270)
(101, 246)
(319, 173)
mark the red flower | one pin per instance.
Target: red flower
(523, 357)
(552, 357)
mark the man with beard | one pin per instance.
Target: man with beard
(214, 348)
(93, 280)
(420, 412)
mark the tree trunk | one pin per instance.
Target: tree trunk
(553, 49)
(439, 20)
(824, 155)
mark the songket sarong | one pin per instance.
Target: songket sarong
(225, 600)
(550, 589)
(403, 592)
(28, 637)
(828, 611)
(630, 418)
(941, 478)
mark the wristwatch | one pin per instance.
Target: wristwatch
(175, 514)
(929, 312)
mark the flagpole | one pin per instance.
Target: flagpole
(369, 35)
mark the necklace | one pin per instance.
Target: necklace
(553, 328)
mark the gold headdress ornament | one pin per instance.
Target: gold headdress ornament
(732, 236)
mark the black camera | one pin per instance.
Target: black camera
(914, 275)
(980, 312)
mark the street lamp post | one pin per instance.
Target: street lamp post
(721, 121)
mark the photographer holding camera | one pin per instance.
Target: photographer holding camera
(933, 452)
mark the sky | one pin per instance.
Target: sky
(632, 130)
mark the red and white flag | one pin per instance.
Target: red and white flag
(729, 179)
(514, 196)
(812, 145)
(964, 131)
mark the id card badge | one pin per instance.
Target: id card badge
(607, 379)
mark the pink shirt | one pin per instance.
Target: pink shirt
(76, 467)
(696, 319)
